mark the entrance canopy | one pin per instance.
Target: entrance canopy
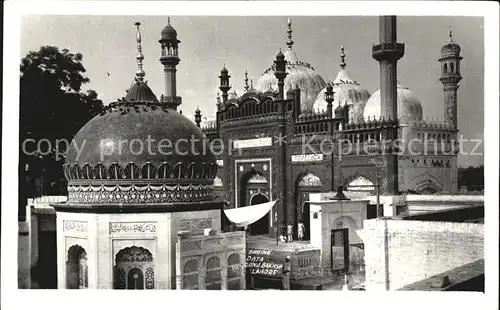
(245, 216)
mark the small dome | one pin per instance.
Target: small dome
(450, 47)
(168, 33)
(339, 112)
(347, 91)
(300, 74)
(409, 106)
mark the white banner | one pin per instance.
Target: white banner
(305, 158)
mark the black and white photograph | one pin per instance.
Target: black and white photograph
(250, 146)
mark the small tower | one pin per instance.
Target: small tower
(280, 73)
(224, 83)
(197, 116)
(170, 59)
(450, 77)
(329, 99)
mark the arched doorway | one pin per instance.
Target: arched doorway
(134, 269)
(135, 279)
(306, 184)
(76, 268)
(261, 227)
(254, 190)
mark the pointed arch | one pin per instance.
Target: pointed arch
(426, 183)
(310, 179)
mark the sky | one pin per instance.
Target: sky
(108, 45)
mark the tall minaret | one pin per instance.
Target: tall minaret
(224, 83)
(450, 76)
(387, 53)
(170, 59)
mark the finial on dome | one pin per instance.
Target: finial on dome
(246, 80)
(342, 57)
(139, 75)
(289, 42)
(450, 34)
(251, 83)
(168, 20)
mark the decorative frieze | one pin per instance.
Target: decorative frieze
(75, 226)
(132, 227)
(249, 143)
(196, 224)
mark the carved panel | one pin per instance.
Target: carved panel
(196, 224)
(191, 246)
(132, 227)
(75, 226)
(119, 244)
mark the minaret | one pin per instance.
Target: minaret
(224, 83)
(450, 77)
(387, 53)
(170, 59)
(197, 116)
(281, 73)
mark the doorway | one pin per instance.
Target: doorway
(135, 279)
(340, 249)
(261, 227)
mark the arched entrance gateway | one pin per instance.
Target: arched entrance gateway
(255, 190)
(307, 183)
(134, 269)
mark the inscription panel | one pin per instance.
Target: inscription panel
(75, 226)
(307, 158)
(249, 143)
(196, 224)
(132, 227)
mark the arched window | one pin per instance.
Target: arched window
(213, 275)
(452, 68)
(190, 275)
(233, 272)
(445, 69)
(76, 268)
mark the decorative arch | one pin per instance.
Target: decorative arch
(218, 182)
(426, 184)
(310, 180)
(361, 184)
(258, 198)
(76, 268)
(257, 178)
(134, 269)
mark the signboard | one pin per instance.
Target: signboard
(249, 143)
(262, 262)
(307, 158)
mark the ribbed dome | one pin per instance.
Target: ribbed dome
(128, 154)
(168, 33)
(409, 106)
(347, 91)
(299, 74)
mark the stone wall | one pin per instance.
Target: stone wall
(214, 261)
(399, 252)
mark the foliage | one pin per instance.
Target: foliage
(471, 177)
(54, 107)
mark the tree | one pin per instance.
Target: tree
(53, 107)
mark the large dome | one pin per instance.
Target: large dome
(139, 151)
(409, 106)
(300, 74)
(346, 91)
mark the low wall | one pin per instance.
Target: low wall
(399, 252)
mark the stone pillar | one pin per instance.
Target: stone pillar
(106, 259)
(93, 252)
(61, 254)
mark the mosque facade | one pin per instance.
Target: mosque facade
(293, 133)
